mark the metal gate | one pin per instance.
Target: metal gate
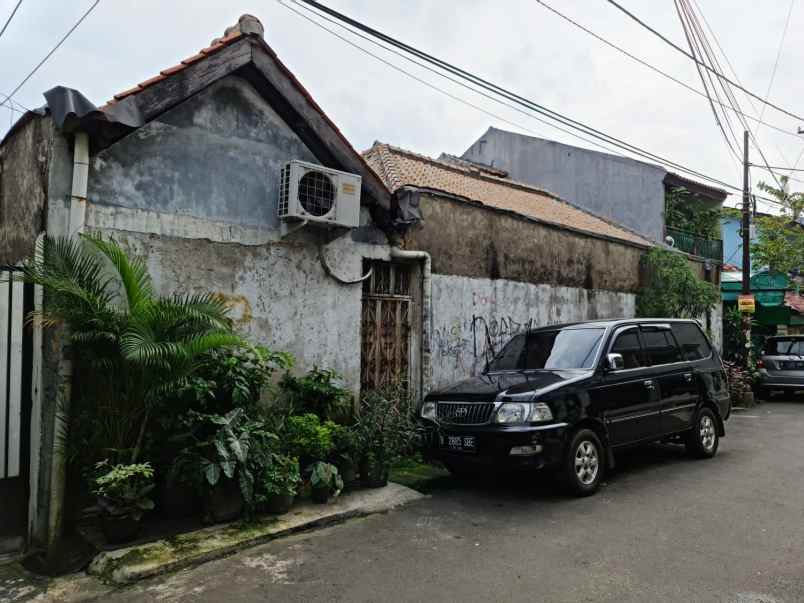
(386, 326)
(16, 347)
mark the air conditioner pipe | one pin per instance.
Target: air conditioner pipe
(424, 257)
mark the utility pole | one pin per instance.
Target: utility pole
(746, 232)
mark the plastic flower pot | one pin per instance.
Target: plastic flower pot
(278, 504)
(373, 474)
(321, 494)
(224, 501)
(120, 528)
(348, 473)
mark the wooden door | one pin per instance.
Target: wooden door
(386, 326)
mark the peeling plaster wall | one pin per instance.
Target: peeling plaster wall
(24, 165)
(195, 192)
(473, 317)
(215, 156)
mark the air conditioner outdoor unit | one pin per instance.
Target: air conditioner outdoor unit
(313, 193)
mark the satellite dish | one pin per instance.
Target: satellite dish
(670, 241)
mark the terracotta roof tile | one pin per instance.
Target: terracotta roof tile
(129, 92)
(174, 69)
(398, 168)
(153, 80)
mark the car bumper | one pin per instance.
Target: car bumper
(498, 447)
(781, 379)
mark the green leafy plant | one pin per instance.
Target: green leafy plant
(228, 446)
(307, 438)
(683, 211)
(134, 347)
(281, 476)
(123, 490)
(779, 245)
(325, 479)
(318, 392)
(386, 427)
(671, 289)
(345, 443)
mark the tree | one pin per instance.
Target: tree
(792, 203)
(136, 347)
(672, 289)
(779, 245)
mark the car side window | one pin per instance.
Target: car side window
(627, 344)
(797, 348)
(660, 347)
(693, 343)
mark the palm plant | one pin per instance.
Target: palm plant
(138, 347)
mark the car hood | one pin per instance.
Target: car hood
(486, 388)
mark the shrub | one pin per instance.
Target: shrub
(318, 392)
(672, 289)
(281, 476)
(123, 490)
(307, 438)
(386, 426)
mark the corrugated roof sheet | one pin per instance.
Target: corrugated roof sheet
(398, 167)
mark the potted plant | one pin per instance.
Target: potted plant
(279, 481)
(219, 462)
(385, 430)
(308, 439)
(123, 496)
(346, 453)
(325, 482)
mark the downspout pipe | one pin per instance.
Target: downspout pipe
(427, 316)
(75, 226)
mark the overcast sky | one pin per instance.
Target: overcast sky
(515, 43)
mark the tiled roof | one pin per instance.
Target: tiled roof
(216, 46)
(398, 168)
(794, 301)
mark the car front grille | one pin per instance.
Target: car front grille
(463, 413)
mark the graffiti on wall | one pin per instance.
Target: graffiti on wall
(468, 344)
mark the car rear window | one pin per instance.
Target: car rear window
(660, 347)
(693, 343)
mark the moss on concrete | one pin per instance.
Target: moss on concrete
(418, 475)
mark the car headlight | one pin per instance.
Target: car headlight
(428, 411)
(521, 412)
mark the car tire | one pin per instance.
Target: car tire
(765, 394)
(584, 463)
(702, 440)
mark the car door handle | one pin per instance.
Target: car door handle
(649, 384)
(688, 376)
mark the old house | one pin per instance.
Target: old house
(627, 191)
(399, 268)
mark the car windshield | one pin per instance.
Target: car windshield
(560, 349)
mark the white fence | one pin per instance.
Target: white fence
(11, 323)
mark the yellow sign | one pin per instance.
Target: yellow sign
(746, 304)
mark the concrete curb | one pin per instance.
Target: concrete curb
(124, 566)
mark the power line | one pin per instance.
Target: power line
(778, 55)
(707, 67)
(503, 92)
(759, 122)
(440, 74)
(49, 54)
(653, 68)
(11, 16)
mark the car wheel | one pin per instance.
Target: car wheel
(583, 464)
(765, 394)
(703, 440)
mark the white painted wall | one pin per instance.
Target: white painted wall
(473, 317)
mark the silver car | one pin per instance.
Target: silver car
(781, 366)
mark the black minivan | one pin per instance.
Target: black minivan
(568, 396)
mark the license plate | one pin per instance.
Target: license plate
(792, 366)
(459, 443)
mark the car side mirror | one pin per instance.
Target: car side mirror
(615, 362)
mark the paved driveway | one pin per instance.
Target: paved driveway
(663, 528)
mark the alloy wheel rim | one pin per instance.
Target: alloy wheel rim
(707, 433)
(586, 462)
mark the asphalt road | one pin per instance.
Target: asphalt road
(663, 528)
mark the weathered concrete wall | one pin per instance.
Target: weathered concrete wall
(24, 161)
(624, 190)
(215, 156)
(196, 193)
(470, 240)
(474, 317)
